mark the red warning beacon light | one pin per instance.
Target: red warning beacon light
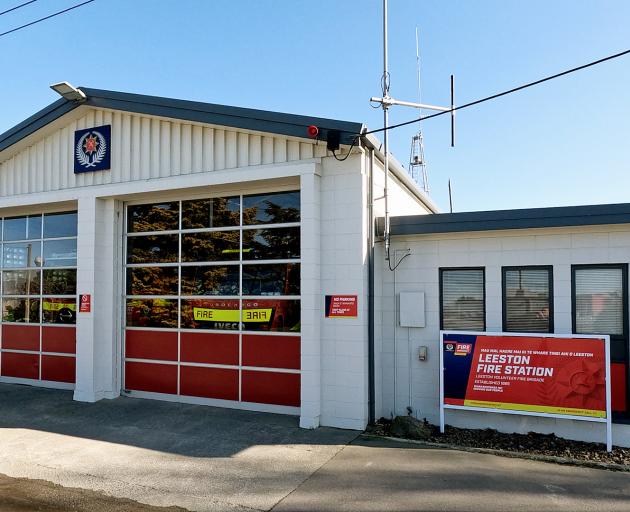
(312, 131)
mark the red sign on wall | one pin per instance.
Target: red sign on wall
(85, 303)
(341, 306)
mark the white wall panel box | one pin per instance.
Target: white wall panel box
(207, 237)
(411, 309)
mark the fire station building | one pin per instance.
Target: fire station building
(184, 251)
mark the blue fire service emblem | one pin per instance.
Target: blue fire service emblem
(92, 149)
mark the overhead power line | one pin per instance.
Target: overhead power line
(17, 7)
(46, 18)
(504, 93)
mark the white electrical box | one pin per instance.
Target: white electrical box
(411, 309)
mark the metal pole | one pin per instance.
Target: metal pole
(385, 86)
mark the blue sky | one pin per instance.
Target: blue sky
(566, 142)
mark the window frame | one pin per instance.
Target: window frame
(441, 293)
(504, 271)
(624, 284)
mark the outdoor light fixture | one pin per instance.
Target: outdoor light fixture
(68, 91)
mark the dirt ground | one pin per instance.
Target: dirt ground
(23, 495)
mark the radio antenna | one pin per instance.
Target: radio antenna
(417, 163)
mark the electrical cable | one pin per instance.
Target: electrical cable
(354, 142)
(17, 7)
(46, 18)
(504, 93)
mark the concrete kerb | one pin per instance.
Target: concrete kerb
(509, 454)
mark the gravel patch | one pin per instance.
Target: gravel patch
(532, 443)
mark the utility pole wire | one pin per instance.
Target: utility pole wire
(45, 18)
(504, 93)
(17, 7)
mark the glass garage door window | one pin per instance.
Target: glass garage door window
(213, 298)
(38, 297)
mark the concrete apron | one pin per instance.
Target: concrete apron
(160, 453)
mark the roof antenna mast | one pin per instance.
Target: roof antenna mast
(387, 101)
(417, 163)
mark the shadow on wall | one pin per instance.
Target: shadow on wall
(183, 429)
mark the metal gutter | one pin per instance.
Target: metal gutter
(236, 117)
(563, 216)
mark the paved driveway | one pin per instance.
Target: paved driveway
(160, 453)
(209, 459)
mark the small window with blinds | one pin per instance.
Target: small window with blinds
(528, 299)
(462, 299)
(598, 296)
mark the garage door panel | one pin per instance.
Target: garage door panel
(271, 388)
(157, 378)
(58, 368)
(159, 345)
(20, 337)
(271, 351)
(24, 366)
(59, 339)
(221, 383)
(210, 348)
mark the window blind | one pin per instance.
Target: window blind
(463, 306)
(599, 301)
(527, 302)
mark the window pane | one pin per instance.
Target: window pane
(211, 213)
(271, 315)
(152, 313)
(26, 254)
(20, 282)
(463, 305)
(34, 226)
(153, 217)
(60, 224)
(214, 246)
(210, 280)
(271, 208)
(219, 314)
(59, 311)
(271, 244)
(60, 282)
(599, 301)
(527, 300)
(276, 279)
(152, 249)
(60, 253)
(152, 281)
(20, 310)
(15, 228)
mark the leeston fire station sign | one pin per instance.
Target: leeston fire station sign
(540, 375)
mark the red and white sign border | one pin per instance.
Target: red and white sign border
(607, 419)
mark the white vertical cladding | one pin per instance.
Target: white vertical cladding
(311, 300)
(344, 272)
(143, 148)
(96, 353)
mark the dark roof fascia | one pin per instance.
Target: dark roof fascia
(565, 216)
(235, 117)
(36, 121)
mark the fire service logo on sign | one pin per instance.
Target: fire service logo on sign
(92, 149)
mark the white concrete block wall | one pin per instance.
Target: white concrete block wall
(560, 247)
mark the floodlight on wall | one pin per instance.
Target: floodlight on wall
(69, 92)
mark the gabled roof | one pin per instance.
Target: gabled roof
(235, 117)
(563, 216)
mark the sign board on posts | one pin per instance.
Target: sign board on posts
(550, 375)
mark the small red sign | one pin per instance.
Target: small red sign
(85, 303)
(341, 306)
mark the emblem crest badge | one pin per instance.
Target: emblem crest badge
(92, 149)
